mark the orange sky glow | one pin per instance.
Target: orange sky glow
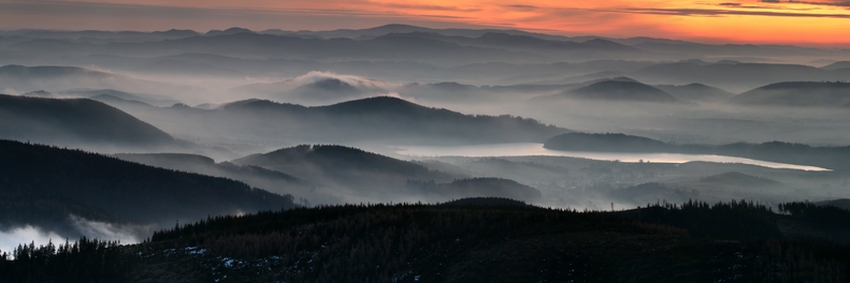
(816, 22)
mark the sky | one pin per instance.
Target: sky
(816, 22)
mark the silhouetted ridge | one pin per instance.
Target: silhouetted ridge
(609, 45)
(260, 105)
(486, 201)
(822, 94)
(616, 89)
(380, 104)
(622, 90)
(837, 66)
(839, 203)
(738, 179)
(133, 191)
(481, 187)
(605, 143)
(230, 31)
(74, 120)
(333, 157)
(696, 92)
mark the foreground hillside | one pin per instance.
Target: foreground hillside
(46, 186)
(478, 240)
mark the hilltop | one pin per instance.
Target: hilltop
(615, 90)
(797, 94)
(75, 122)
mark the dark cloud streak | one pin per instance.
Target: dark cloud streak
(723, 12)
(816, 3)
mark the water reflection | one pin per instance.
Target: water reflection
(536, 149)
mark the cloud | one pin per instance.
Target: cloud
(839, 3)
(522, 7)
(722, 12)
(9, 240)
(10, 91)
(357, 81)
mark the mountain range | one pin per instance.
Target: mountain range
(369, 119)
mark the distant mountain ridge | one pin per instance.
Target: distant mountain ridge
(369, 119)
(623, 89)
(357, 173)
(696, 92)
(806, 94)
(75, 121)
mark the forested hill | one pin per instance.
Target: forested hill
(75, 121)
(354, 172)
(382, 118)
(41, 185)
(693, 242)
(797, 94)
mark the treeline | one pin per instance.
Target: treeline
(85, 260)
(365, 243)
(738, 241)
(730, 220)
(820, 216)
(474, 187)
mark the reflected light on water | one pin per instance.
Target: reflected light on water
(536, 149)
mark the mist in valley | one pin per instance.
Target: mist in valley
(265, 120)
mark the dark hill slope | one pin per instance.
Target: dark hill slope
(131, 191)
(736, 77)
(694, 242)
(696, 92)
(812, 94)
(339, 162)
(839, 203)
(837, 66)
(378, 118)
(482, 187)
(399, 116)
(738, 179)
(354, 172)
(605, 142)
(60, 78)
(270, 180)
(616, 90)
(75, 121)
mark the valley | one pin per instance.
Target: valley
(403, 153)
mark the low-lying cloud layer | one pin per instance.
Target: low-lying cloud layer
(24, 235)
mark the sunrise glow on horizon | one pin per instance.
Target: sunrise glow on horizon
(822, 22)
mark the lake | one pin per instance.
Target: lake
(536, 149)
